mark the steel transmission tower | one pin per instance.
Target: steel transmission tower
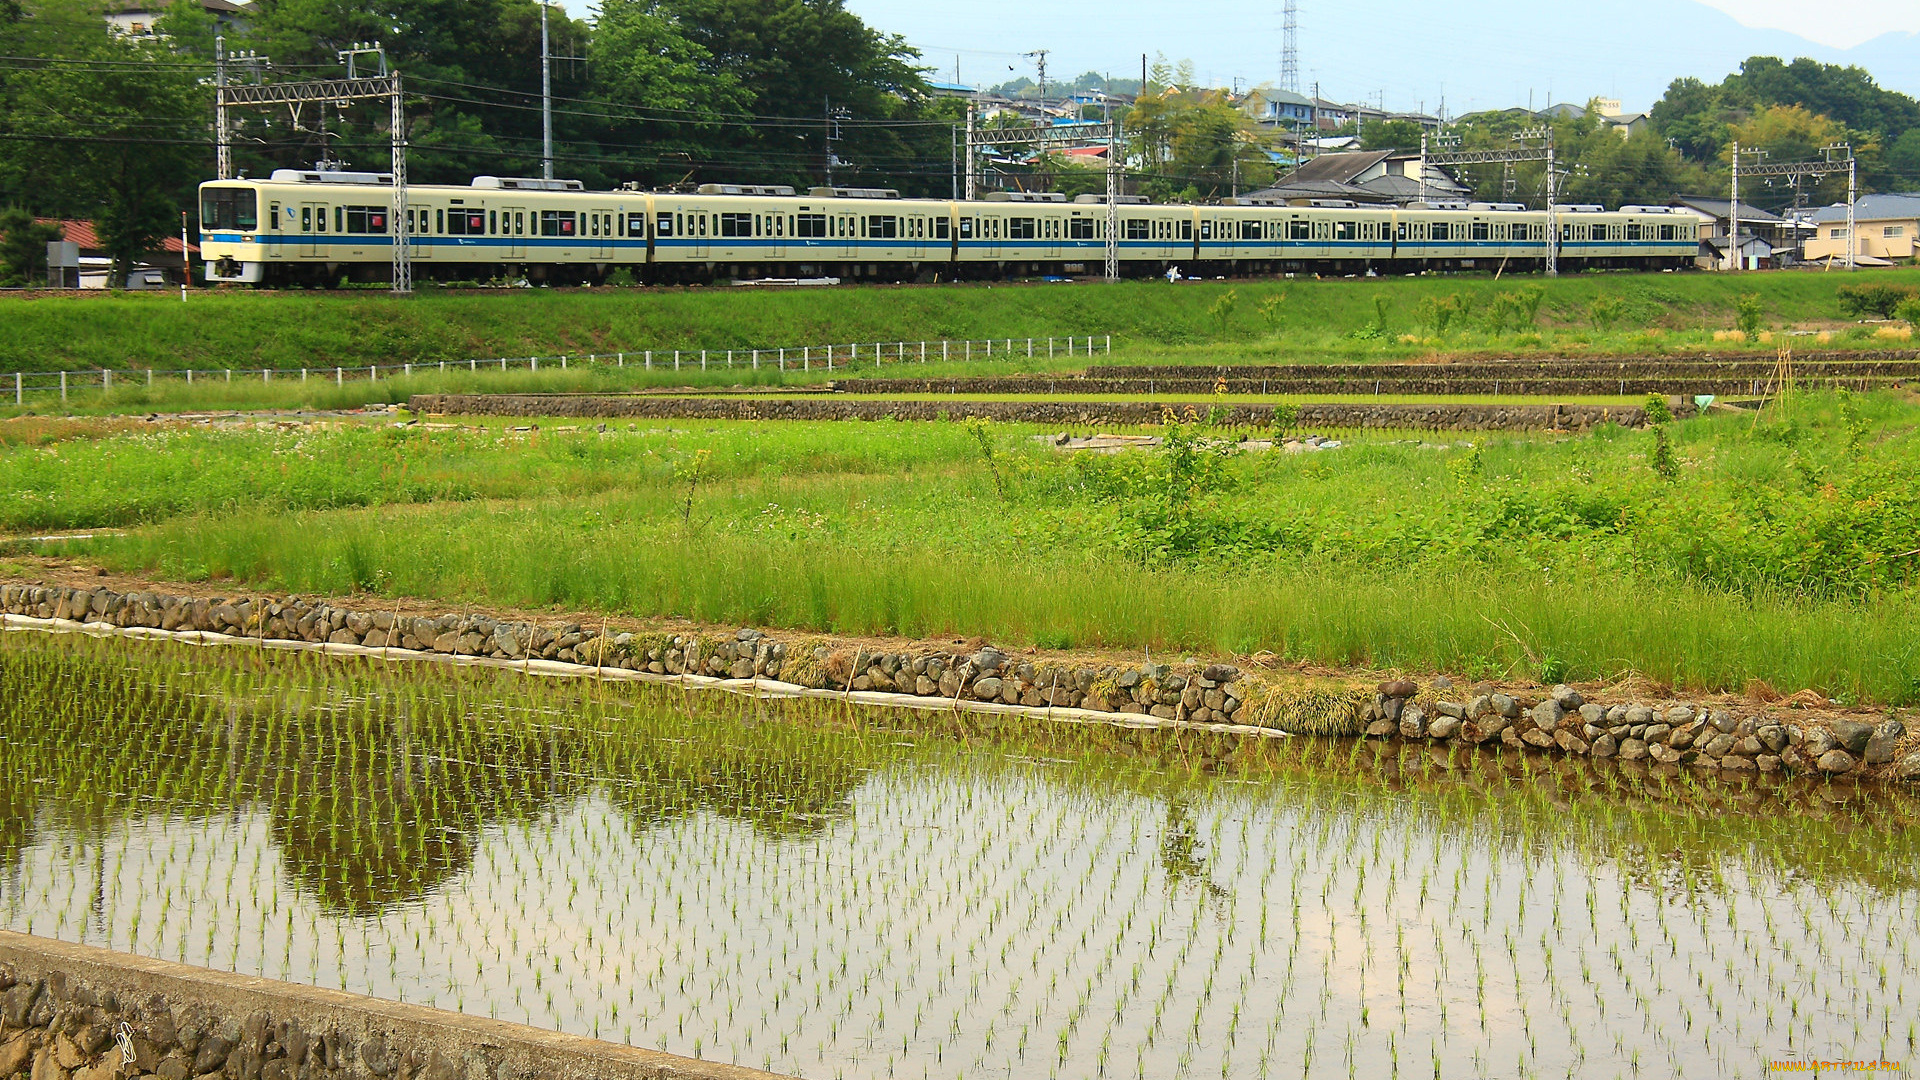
(1290, 48)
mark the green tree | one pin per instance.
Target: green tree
(23, 247)
(115, 130)
(1390, 135)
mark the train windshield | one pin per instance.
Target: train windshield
(229, 208)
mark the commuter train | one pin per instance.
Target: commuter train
(312, 227)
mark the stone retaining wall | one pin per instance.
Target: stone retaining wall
(73, 1012)
(1676, 734)
(1452, 417)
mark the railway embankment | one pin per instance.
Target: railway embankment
(75, 1012)
(1801, 738)
(1444, 416)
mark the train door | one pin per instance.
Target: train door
(513, 231)
(599, 234)
(313, 223)
(697, 234)
(776, 230)
(421, 233)
(990, 230)
(917, 237)
(1050, 229)
(849, 242)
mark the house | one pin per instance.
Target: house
(155, 270)
(1885, 224)
(136, 18)
(1370, 176)
(1282, 108)
(1775, 236)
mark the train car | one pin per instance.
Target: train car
(318, 227)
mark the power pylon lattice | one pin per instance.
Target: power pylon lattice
(1290, 48)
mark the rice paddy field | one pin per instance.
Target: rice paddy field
(1711, 555)
(839, 895)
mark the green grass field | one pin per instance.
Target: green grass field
(1725, 550)
(1300, 319)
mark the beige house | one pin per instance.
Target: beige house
(1887, 226)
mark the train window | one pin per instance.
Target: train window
(1482, 230)
(1633, 230)
(966, 228)
(1206, 230)
(1186, 230)
(230, 208)
(1440, 230)
(273, 215)
(883, 226)
(366, 219)
(1021, 228)
(519, 223)
(1080, 229)
(1137, 229)
(558, 223)
(466, 223)
(339, 219)
(1666, 232)
(732, 224)
(306, 219)
(663, 224)
(810, 226)
(1323, 230)
(320, 219)
(1346, 230)
(440, 221)
(942, 228)
(1299, 229)
(1567, 232)
(1250, 230)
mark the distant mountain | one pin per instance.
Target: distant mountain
(1479, 54)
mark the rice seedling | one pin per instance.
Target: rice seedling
(838, 895)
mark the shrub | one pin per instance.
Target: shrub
(1746, 313)
(1909, 311)
(1657, 411)
(1604, 311)
(1662, 458)
(1875, 300)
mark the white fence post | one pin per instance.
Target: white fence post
(339, 377)
(63, 386)
(106, 380)
(1109, 344)
(149, 376)
(19, 391)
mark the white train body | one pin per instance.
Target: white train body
(319, 227)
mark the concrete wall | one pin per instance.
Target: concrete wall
(63, 1007)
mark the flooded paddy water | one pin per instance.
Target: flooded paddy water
(841, 894)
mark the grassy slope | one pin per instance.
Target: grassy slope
(1532, 553)
(318, 330)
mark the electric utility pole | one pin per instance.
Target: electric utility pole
(546, 97)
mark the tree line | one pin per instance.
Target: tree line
(117, 129)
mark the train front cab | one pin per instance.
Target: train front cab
(230, 233)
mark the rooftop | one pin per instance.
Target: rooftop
(1903, 206)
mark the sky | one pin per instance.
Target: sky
(1409, 54)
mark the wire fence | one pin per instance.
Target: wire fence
(40, 386)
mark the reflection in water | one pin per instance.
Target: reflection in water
(838, 899)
